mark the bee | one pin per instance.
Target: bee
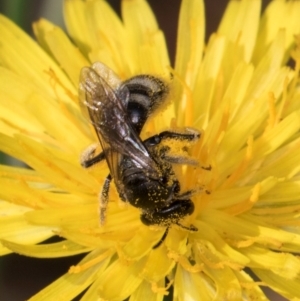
(142, 170)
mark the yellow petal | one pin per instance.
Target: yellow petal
(145, 292)
(206, 82)
(70, 285)
(251, 289)
(243, 228)
(226, 252)
(231, 291)
(158, 265)
(277, 16)
(60, 249)
(16, 229)
(117, 275)
(78, 28)
(261, 147)
(15, 100)
(148, 44)
(142, 243)
(34, 64)
(192, 286)
(283, 264)
(288, 288)
(191, 31)
(60, 47)
(240, 25)
(67, 215)
(284, 165)
(110, 42)
(220, 105)
(284, 193)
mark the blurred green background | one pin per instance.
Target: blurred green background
(21, 277)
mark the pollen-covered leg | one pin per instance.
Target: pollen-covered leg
(188, 135)
(188, 194)
(104, 199)
(180, 160)
(88, 157)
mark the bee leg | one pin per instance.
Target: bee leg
(181, 160)
(190, 228)
(104, 199)
(187, 194)
(162, 239)
(185, 161)
(189, 135)
(88, 159)
(164, 153)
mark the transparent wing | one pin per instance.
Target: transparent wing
(105, 98)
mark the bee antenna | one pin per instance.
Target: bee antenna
(190, 228)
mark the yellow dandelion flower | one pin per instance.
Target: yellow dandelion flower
(240, 91)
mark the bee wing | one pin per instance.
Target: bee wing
(105, 98)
